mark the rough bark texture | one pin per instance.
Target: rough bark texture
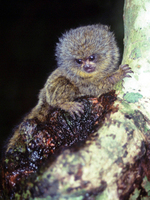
(114, 162)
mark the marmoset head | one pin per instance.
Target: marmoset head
(87, 51)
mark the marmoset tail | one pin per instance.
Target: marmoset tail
(87, 59)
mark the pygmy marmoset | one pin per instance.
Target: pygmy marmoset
(87, 59)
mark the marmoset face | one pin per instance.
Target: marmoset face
(88, 51)
(87, 64)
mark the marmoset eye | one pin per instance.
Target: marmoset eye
(79, 61)
(91, 58)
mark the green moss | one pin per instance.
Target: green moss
(6, 161)
(103, 196)
(76, 198)
(132, 97)
(146, 185)
(47, 198)
(126, 108)
(135, 53)
(135, 195)
(118, 86)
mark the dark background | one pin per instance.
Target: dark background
(28, 32)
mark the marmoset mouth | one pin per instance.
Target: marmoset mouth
(89, 69)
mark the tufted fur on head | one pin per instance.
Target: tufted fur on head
(85, 41)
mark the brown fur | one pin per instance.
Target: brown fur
(71, 80)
